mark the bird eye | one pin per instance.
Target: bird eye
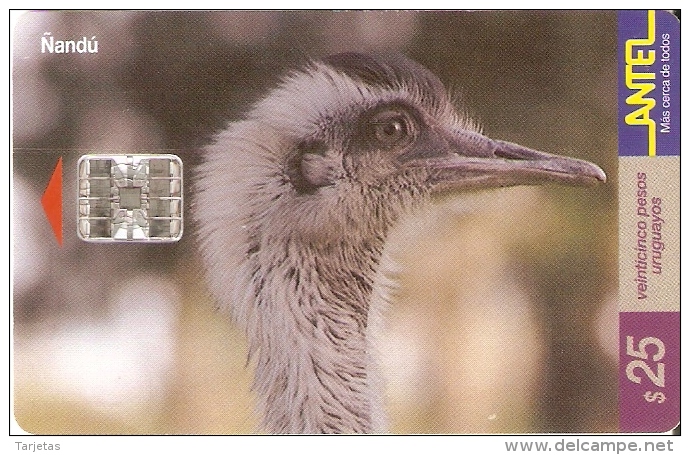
(391, 128)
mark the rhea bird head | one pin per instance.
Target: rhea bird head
(353, 139)
(294, 204)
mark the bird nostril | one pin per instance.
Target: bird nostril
(510, 155)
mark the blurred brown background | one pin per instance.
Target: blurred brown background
(506, 320)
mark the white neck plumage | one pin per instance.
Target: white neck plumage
(315, 372)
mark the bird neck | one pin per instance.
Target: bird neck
(314, 372)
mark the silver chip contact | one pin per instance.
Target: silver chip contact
(130, 198)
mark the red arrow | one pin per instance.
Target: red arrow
(52, 201)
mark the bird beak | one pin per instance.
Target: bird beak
(471, 160)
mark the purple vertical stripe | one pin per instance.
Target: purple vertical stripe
(649, 393)
(633, 140)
